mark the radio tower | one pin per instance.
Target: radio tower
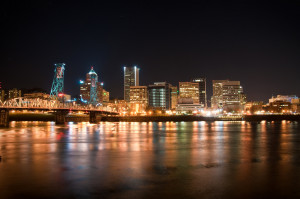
(58, 81)
(93, 90)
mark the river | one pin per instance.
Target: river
(150, 160)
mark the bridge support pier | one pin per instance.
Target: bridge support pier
(4, 118)
(60, 116)
(93, 117)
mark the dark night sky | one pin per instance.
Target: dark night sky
(255, 42)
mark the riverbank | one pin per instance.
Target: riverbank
(175, 118)
(45, 117)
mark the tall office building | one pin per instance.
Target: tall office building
(138, 94)
(174, 97)
(189, 90)
(105, 96)
(159, 96)
(217, 98)
(202, 91)
(233, 96)
(14, 93)
(91, 90)
(138, 98)
(2, 95)
(131, 78)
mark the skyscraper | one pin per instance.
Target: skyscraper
(105, 96)
(2, 95)
(14, 93)
(202, 90)
(91, 90)
(131, 78)
(138, 98)
(217, 98)
(233, 96)
(174, 97)
(138, 94)
(160, 96)
(189, 90)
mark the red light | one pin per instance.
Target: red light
(60, 95)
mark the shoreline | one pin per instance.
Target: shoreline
(174, 118)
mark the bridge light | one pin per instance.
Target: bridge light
(60, 95)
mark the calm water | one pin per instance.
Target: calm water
(150, 160)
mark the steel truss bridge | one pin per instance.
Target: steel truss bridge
(60, 109)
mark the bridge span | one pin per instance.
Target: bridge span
(59, 109)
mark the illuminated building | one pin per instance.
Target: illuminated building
(202, 91)
(189, 108)
(284, 98)
(217, 98)
(159, 96)
(233, 96)
(138, 94)
(284, 104)
(253, 107)
(36, 95)
(119, 106)
(2, 95)
(131, 78)
(105, 96)
(189, 90)
(91, 90)
(174, 97)
(138, 98)
(14, 93)
(279, 107)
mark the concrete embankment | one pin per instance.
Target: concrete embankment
(45, 117)
(178, 118)
(251, 118)
(175, 118)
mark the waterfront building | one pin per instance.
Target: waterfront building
(217, 98)
(131, 78)
(284, 103)
(105, 96)
(283, 98)
(202, 90)
(2, 95)
(159, 97)
(233, 98)
(253, 107)
(138, 98)
(174, 97)
(38, 95)
(120, 106)
(14, 93)
(91, 90)
(188, 109)
(275, 107)
(138, 94)
(189, 90)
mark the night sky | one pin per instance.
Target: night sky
(255, 42)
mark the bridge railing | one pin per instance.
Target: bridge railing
(48, 104)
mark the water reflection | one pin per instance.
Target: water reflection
(146, 160)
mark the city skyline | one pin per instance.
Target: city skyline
(254, 42)
(209, 91)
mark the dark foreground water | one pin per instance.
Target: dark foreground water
(150, 160)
